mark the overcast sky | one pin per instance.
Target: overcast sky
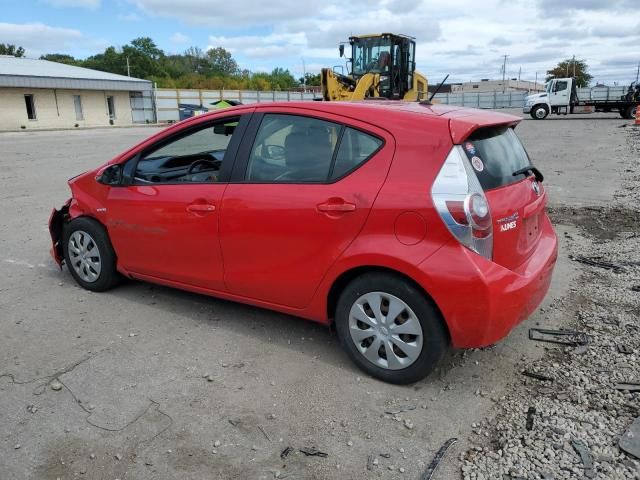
(466, 38)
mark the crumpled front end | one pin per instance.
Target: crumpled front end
(56, 224)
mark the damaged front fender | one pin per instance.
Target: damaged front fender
(56, 224)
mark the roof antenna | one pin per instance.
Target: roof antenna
(428, 102)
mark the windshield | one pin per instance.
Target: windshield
(371, 55)
(495, 153)
(547, 87)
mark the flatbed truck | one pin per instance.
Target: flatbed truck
(562, 97)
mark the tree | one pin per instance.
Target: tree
(61, 58)
(566, 68)
(110, 61)
(311, 80)
(222, 62)
(282, 79)
(10, 49)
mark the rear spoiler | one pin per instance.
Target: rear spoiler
(463, 123)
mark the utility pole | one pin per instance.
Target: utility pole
(519, 73)
(574, 66)
(536, 85)
(128, 70)
(304, 76)
(638, 73)
(504, 71)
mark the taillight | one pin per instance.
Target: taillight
(462, 205)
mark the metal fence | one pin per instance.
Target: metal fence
(483, 99)
(168, 100)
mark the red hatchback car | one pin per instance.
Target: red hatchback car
(413, 227)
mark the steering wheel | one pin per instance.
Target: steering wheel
(203, 161)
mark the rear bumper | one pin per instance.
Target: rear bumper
(482, 301)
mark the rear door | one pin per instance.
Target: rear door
(300, 193)
(516, 201)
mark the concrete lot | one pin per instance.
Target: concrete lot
(134, 403)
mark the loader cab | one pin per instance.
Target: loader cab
(391, 56)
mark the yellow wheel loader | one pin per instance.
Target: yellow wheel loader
(381, 65)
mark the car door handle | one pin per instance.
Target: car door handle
(201, 208)
(339, 206)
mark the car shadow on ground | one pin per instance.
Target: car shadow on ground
(316, 340)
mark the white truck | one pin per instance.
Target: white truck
(562, 97)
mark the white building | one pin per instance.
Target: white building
(42, 94)
(486, 85)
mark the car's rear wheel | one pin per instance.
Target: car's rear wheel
(89, 255)
(389, 328)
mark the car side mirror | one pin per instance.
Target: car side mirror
(111, 175)
(341, 50)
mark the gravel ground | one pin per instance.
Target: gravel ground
(145, 382)
(579, 404)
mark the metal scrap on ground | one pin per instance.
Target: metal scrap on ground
(596, 262)
(313, 452)
(433, 466)
(400, 409)
(631, 386)
(537, 376)
(630, 440)
(581, 449)
(285, 453)
(561, 337)
(530, 413)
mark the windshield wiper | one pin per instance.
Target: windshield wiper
(537, 173)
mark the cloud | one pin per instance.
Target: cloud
(179, 39)
(273, 45)
(38, 38)
(129, 17)
(93, 4)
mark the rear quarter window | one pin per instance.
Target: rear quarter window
(495, 153)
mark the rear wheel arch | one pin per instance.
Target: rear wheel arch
(348, 276)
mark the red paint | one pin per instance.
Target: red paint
(282, 246)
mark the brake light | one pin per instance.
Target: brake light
(462, 205)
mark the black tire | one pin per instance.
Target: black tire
(435, 341)
(539, 112)
(108, 276)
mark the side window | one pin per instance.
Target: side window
(193, 158)
(355, 148)
(292, 148)
(561, 86)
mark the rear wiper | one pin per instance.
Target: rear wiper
(537, 173)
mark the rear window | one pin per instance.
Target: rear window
(495, 153)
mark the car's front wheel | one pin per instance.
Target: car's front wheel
(389, 328)
(89, 255)
(539, 112)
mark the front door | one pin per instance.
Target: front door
(165, 223)
(559, 96)
(305, 192)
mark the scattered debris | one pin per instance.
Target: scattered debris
(217, 443)
(31, 408)
(537, 376)
(313, 452)
(631, 386)
(561, 337)
(622, 348)
(630, 440)
(400, 409)
(285, 453)
(635, 288)
(587, 462)
(385, 455)
(17, 446)
(264, 433)
(56, 385)
(370, 460)
(596, 262)
(433, 466)
(234, 422)
(118, 456)
(530, 413)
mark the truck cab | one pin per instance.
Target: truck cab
(556, 98)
